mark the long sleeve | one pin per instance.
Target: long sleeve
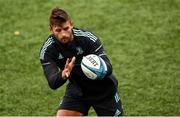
(50, 68)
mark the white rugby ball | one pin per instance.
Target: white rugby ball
(93, 67)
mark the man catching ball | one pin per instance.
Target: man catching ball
(61, 56)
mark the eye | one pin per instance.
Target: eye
(58, 30)
(66, 28)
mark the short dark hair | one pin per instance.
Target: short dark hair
(58, 16)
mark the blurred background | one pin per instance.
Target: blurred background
(141, 38)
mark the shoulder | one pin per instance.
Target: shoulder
(47, 45)
(84, 35)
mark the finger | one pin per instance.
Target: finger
(67, 63)
(72, 61)
(67, 74)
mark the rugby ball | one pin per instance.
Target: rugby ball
(93, 67)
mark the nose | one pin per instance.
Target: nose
(63, 33)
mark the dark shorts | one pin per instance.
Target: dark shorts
(108, 107)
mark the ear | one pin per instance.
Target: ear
(72, 24)
(50, 28)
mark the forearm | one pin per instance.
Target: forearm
(108, 65)
(53, 75)
(55, 81)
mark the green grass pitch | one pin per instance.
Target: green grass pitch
(141, 38)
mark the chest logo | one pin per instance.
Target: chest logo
(79, 50)
(60, 56)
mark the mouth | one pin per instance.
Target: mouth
(65, 40)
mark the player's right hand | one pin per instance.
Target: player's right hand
(68, 68)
